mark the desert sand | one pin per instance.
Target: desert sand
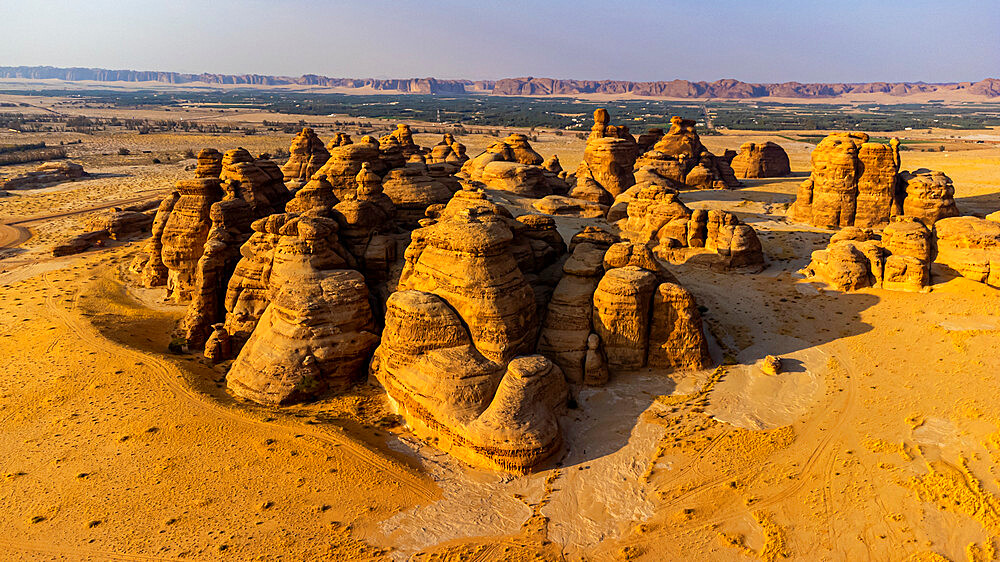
(877, 441)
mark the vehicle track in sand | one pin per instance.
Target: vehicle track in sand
(819, 462)
(171, 377)
(78, 553)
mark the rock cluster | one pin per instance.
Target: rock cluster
(512, 165)
(760, 160)
(258, 181)
(341, 169)
(680, 157)
(449, 151)
(970, 246)
(618, 308)
(46, 174)
(457, 352)
(657, 217)
(305, 157)
(857, 258)
(853, 183)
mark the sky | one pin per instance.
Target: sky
(752, 41)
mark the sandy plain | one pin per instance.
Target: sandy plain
(880, 442)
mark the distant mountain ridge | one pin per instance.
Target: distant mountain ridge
(525, 86)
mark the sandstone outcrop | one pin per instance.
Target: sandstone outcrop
(154, 272)
(657, 217)
(853, 183)
(561, 205)
(448, 151)
(761, 160)
(412, 190)
(512, 165)
(258, 181)
(969, 246)
(209, 163)
(185, 233)
(927, 195)
(456, 355)
(401, 140)
(46, 174)
(341, 169)
(305, 157)
(857, 258)
(317, 333)
(609, 155)
(620, 308)
(680, 157)
(229, 230)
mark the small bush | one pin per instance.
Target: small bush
(156, 160)
(124, 151)
(189, 153)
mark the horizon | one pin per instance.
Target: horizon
(373, 77)
(926, 41)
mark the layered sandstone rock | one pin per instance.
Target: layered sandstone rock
(412, 190)
(401, 140)
(521, 179)
(122, 223)
(283, 248)
(969, 246)
(857, 258)
(317, 333)
(305, 157)
(680, 156)
(927, 195)
(456, 353)
(761, 160)
(561, 205)
(341, 169)
(154, 272)
(46, 174)
(512, 165)
(609, 155)
(209, 163)
(185, 233)
(657, 217)
(447, 151)
(258, 181)
(852, 183)
(620, 309)
(230, 229)
(317, 194)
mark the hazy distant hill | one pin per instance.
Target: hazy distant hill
(528, 86)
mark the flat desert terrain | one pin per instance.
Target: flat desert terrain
(879, 441)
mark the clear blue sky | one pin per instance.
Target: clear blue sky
(753, 41)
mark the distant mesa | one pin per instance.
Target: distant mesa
(524, 86)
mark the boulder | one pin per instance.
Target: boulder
(927, 195)
(761, 160)
(970, 246)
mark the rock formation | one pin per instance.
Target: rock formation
(258, 181)
(620, 308)
(856, 258)
(456, 353)
(317, 333)
(305, 157)
(448, 151)
(341, 170)
(657, 217)
(969, 246)
(609, 155)
(680, 157)
(46, 174)
(402, 140)
(927, 195)
(512, 165)
(412, 190)
(185, 233)
(761, 160)
(229, 230)
(154, 272)
(852, 183)
(560, 205)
